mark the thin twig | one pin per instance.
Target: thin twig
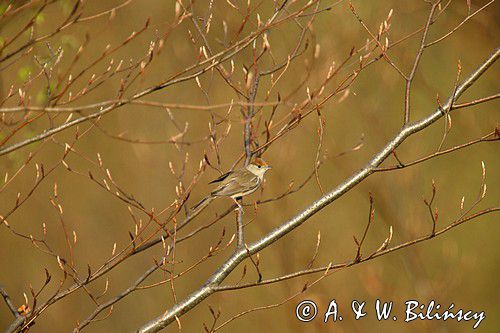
(411, 76)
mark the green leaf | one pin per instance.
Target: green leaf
(24, 73)
(41, 97)
(70, 41)
(40, 18)
(3, 7)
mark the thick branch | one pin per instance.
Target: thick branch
(8, 301)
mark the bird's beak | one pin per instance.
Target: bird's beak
(269, 167)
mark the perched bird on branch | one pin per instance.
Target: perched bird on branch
(235, 184)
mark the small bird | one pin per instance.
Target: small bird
(235, 184)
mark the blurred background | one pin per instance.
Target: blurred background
(460, 267)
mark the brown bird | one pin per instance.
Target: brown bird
(235, 184)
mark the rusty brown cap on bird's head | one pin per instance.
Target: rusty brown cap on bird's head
(259, 162)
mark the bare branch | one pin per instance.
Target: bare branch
(331, 268)
(8, 301)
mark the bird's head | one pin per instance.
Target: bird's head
(258, 167)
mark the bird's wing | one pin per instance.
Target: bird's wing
(221, 178)
(237, 182)
(249, 181)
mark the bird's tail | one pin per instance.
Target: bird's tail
(196, 209)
